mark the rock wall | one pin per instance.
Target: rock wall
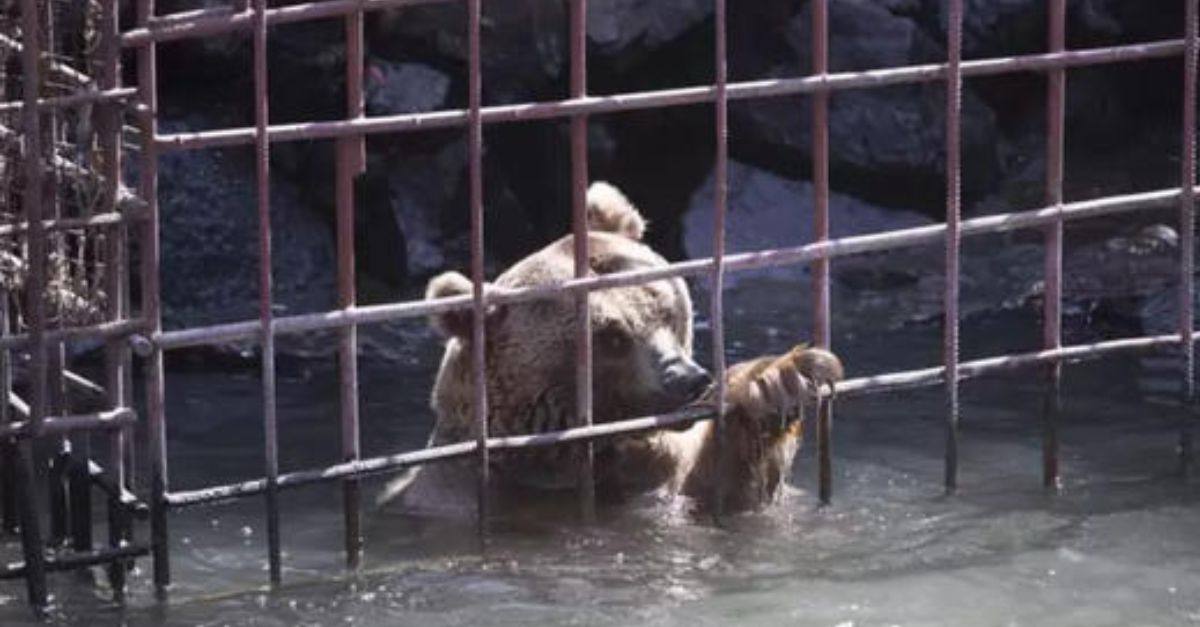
(886, 144)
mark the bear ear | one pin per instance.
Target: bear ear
(609, 210)
(456, 323)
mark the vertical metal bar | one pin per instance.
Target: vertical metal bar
(350, 161)
(479, 306)
(820, 166)
(583, 316)
(953, 237)
(1052, 298)
(75, 517)
(151, 305)
(8, 470)
(717, 276)
(56, 492)
(262, 147)
(1187, 229)
(22, 453)
(116, 352)
(821, 296)
(32, 201)
(79, 487)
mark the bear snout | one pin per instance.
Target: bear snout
(686, 380)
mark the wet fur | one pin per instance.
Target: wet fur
(765, 396)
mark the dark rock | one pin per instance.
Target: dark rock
(422, 190)
(209, 227)
(524, 45)
(887, 142)
(629, 30)
(767, 211)
(393, 88)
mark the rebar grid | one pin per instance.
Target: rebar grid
(146, 331)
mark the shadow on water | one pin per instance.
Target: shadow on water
(1116, 545)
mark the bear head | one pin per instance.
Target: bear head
(641, 334)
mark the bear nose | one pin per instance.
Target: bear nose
(699, 382)
(688, 378)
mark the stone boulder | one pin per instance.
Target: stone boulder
(209, 234)
(887, 142)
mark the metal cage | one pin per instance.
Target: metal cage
(132, 215)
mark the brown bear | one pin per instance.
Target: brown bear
(642, 365)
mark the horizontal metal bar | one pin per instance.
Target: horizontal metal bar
(386, 463)
(83, 97)
(860, 386)
(66, 224)
(667, 97)
(79, 560)
(56, 425)
(101, 330)
(1069, 354)
(62, 70)
(127, 201)
(226, 19)
(858, 244)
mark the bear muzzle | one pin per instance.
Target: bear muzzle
(685, 380)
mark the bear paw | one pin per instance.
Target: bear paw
(781, 385)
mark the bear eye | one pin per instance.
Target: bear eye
(612, 339)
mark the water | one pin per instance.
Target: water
(1117, 546)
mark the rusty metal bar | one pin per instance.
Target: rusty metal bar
(683, 96)
(351, 161)
(104, 219)
(77, 560)
(84, 97)
(853, 245)
(151, 306)
(1187, 231)
(126, 200)
(59, 425)
(439, 453)
(820, 170)
(8, 472)
(69, 490)
(583, 316)
(226, 19)
(262, 149)
(1052, 295)
(478, 299)
(117, 355)
(50, 62)
(22, 452)
(20, 456)
(32, 204)
(716, 275)
(953, 236)
(99, 330)
(849, 388)
(821, 297)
